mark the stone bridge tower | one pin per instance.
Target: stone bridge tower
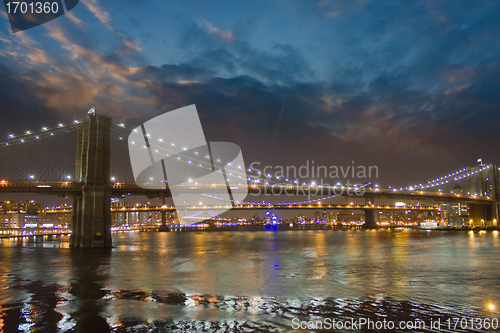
(91, 209)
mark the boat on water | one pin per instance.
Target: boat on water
(428, 225)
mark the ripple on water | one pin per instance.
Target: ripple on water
(53, 307)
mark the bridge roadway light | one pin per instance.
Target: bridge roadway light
(31, 176)
(68, 177)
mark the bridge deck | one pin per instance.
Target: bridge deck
(72, 189)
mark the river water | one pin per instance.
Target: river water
(247, 279)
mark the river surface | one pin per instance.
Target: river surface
(247, 280)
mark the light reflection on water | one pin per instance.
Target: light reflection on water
(246, 279)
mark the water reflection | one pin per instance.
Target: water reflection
(245, 280)
(91, 273)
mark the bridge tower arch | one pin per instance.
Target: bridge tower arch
(91, 218)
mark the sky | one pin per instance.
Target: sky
(409, 87)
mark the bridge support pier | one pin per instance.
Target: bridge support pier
(75, 223)
(370, 221)
(163, 226)
(495, 213)
(91, 210)
(481, 215)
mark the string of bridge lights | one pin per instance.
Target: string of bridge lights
(193, 160)
(270, 204)
(45, 132)
(156, 144)
(258, 178)
(14, 139)
(457, 175)
(28, 136)
(318, 200)
(454, 176)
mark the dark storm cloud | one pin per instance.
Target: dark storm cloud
(19, 106)
(233, 57)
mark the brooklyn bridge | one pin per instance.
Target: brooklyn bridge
(92, 187)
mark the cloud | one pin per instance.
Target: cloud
(131, 43)
(104, 17)
(221, 33)
(26, 50)
(75, 20)
(454, 90)
(67, 83)
(189, 82)
(99, 13)
(335, 8)
(455, 73)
